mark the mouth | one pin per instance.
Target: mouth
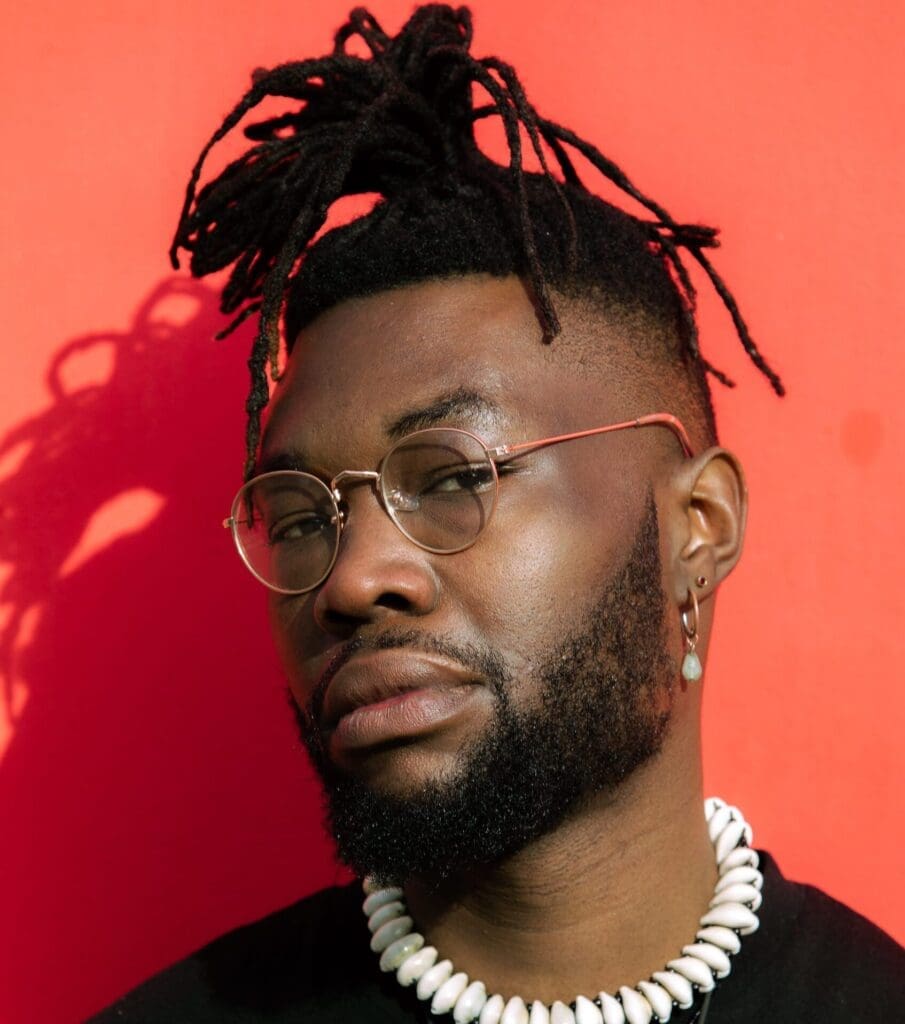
(388, 696)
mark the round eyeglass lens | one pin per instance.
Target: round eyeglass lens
(286, 529)
(439, 486)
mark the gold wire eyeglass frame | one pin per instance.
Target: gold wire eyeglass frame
(493, 455)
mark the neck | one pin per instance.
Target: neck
(606, 899)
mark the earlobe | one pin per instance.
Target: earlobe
(714, 506)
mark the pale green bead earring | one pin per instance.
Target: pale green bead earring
(691, 663)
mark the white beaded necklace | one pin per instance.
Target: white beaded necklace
(731, 914)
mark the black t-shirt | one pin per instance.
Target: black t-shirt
(811, 960)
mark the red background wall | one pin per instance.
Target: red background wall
(152, 793)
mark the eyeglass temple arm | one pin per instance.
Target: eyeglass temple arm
(662, 419)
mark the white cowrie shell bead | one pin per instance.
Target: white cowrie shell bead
(744, 875)
(677, 986)
(561, 1014)
(493, 1010)
(585, 1012)
(740, 893)
(735, 813)
(379, 898)
(612, 1009)
(738, 857)
(448, 993)
(385, 913)
(539, 1013)
(470, 1003)
(433, 978)
(390, 932)
(399, 951)
(756, 901)
(724, 938)
(637, 1008)
(697, 972)
(711, 805)
(718, 822)
(747, 833)
(715, 958)
(411, 970)
(659, 999)
(732, 915)
(515, 1012)
(728, 839)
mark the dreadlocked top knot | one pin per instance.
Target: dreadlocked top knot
(425, 60)
(400, 123)
(403, 114)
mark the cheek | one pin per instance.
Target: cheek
(541, 563)
(287, 627)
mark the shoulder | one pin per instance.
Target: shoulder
(860, 962)
(814, 959)
(308, 961)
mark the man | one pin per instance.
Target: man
(491, 512)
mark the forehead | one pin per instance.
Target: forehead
(370, 365)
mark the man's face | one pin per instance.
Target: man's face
(503, 682)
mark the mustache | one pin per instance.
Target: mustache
(481, 660)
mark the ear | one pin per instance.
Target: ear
(709, 509)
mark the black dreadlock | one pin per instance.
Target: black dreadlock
(401, 124)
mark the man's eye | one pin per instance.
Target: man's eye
(462, 480)
(297, 527)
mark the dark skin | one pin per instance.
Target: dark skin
(618, 888)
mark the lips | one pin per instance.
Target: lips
(381, 696)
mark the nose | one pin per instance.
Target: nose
(378, 572)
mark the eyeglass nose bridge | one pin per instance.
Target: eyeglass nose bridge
(351, 474)
(395, 501)
(392, 503)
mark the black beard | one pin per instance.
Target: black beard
(598, 719)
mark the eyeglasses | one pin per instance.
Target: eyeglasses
(439, 486)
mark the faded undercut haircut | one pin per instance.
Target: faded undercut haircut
(399, 123)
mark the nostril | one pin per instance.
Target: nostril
(338, 623)
(396, 602)
(343, 617)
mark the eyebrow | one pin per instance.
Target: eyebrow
(289, 459)
(460, 402)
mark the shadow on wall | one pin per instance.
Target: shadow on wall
(152, 791)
